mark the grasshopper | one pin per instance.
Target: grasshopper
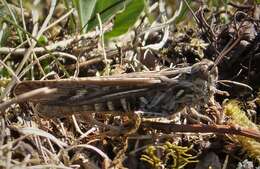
(164, 93)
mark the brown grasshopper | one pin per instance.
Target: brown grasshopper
(162, 93)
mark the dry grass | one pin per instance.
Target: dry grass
(95, 140)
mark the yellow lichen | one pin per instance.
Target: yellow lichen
(171, 156)
(237, 116)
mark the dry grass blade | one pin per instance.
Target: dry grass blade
(39, 132)
(158, 86)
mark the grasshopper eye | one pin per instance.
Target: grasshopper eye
(204, 72)
(203, 69)
(210, 67)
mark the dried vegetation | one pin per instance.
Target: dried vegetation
(43, 41)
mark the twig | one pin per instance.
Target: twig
(236, 83)
(2, 30)
(158, 46)
(14, 19)
(9, 70)
(22, 13)
(202, 128)
(61, 45)
(35, 18)
(52, 73)
(76, 125)
(12, 50)
(97, 58)
(225, 52)
(239, 36)
(62, 54)
(102, 38)
(60, 19)
(225, 164)
(162, 25)
(87, 146)
(38, 132)
(92, 130)
(192, 12)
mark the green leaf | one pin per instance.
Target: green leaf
(127, 18)
(4, 73)
(105, 5)
(85, 9)
(43, 40)
(183, 13)
(106, 9)
(72, 23)
(4, 33)
(226, 4)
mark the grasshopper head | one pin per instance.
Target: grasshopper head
(205, 70)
